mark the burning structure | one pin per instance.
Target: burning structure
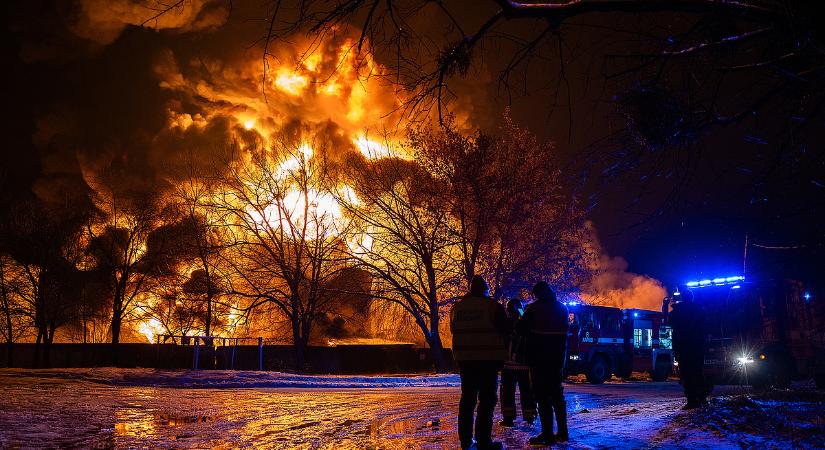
(277, 190)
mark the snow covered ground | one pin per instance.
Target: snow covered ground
(144, 408)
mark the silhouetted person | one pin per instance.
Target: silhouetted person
(687, 321)
(516, 372)
(479, 325)
(545, 325)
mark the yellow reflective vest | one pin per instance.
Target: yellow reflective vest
(476, 334)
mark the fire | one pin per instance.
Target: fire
(291, 83)
(330, 85)
(312, 61)
(371, 149)
(151, 328)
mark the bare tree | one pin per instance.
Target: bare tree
(44, 237)
(121, 249)
(283, 233)
(14, 323)
(512, 219)
(204, 243)
(402, 238)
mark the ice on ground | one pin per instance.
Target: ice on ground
(226, 379)
(139, 408)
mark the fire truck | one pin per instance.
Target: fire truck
(605, 341)
(761, 332)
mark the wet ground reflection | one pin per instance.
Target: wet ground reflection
(38, 412)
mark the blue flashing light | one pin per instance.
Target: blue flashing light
(719, 281)
(807, 296)
(635, 314)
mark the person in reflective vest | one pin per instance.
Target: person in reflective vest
(545, 325)
(479, 326)
(516, 372)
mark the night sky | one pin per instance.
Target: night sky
(84, 86)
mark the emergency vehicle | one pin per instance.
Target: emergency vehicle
(604, 340)
(763, 333)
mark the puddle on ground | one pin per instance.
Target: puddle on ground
(172, 420)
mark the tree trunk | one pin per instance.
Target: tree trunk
(37, 347)
(117, 316)
(47, 347)
(208, 324)
(9, 337)
(116, 322)
(299, 345)
(9, 353)
(437, 352)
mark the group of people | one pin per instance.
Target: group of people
(528, 345)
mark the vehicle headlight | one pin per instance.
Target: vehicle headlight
(743, 360)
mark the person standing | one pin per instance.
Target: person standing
(687, 321)
(479, 326)
(516, 371)
(545, 323)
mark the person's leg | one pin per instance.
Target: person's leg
(508, 396)
(528, 401)
(560, 408)
(685, 373)
(488, 384)
(702, 383)
(692, 379)
(467, 404)
(539, 379)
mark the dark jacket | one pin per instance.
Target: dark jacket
(479, 326)
(545, 324)
(687, 321)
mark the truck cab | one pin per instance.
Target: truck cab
(760, 333)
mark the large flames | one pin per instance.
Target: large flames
(330, 88)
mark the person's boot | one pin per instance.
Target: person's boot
(542, 439)
(546, 435)
(561, 423)
(491, 446)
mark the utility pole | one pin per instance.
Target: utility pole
(745, 256)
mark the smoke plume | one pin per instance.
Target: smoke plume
(612, 285)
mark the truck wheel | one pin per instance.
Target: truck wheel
(661, 372)
(599, 370)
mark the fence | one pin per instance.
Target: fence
(212, 343)
(256, 355)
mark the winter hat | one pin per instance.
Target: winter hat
(478, 287)
(543, 291)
